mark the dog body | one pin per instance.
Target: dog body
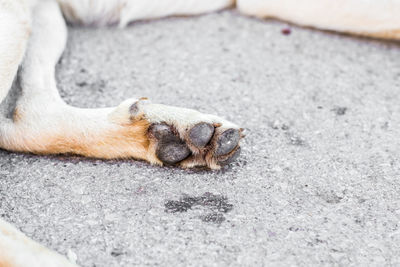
(33, 34)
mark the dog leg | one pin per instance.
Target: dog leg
(373, 18)
(150, 9)
(14, 33)
(180, 136)
(17, 250)
(44, 124)
(106, 12)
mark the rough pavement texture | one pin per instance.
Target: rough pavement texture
(318, 179)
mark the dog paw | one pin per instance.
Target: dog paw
(187, 137)
(204, 144)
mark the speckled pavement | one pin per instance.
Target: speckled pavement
(318, 181)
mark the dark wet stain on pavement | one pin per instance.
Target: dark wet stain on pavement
(216, 205)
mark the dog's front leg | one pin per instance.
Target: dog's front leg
(137, 129)
(43, 124)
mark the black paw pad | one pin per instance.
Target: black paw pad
(170, 149)
(161, 131)
(171, 153)
(227, 141)
(201, 134)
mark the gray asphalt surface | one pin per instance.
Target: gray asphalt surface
(318, 179)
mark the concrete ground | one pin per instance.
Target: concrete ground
(318, 181)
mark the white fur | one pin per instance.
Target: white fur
(106, 12)
(354, 16)
(14, 30)
(18, 250)
(139, 9)
(182, 118)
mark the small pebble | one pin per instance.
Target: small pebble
(286, 31)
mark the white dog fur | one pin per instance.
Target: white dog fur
(32, 38)
(362, 17)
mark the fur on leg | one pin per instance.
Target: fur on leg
(17, 250)
(361, 17)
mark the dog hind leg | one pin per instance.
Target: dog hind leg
(149, 9)
(15, 27)
(105, 12)
(372, 18)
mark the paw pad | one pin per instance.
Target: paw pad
(227, 141)
(201, 134)
(170, 148)
(204, 144)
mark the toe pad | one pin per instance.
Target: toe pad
(170, 149)
(227, 141)
(201, 134)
